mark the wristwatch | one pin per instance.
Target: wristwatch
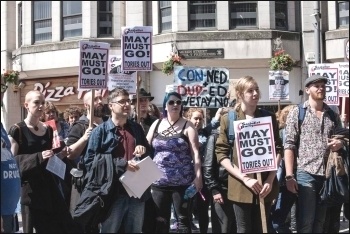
(289, 177)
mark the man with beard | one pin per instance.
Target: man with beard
(312, 144)
(146, 119)
(78, 138)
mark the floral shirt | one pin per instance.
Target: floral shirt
(314, 135)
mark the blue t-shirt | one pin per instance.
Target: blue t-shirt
(10, 179)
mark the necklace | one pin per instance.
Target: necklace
(36, 128)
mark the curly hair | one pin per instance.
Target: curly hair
(71, 111)
(191, 110)
(153, 110)
(282, 117)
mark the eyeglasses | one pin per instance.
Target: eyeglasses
(172, 102)
(123, 102)
(3, 88)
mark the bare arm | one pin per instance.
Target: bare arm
(77, 148)
(194, 144)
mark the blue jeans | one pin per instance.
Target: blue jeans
(281, 209)
(311, 215)
(126, 210)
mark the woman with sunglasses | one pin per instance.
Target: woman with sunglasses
(176, 153)
(244, 189)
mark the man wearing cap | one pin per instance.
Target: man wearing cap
(146, 119)
(312, 144)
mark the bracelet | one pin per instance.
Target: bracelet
(289, 177)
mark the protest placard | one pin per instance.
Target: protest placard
(343, 77)
(205, 87)
(119, 78)
(330, 71)
(279, 85)
(255, 145)
(93, 73)
(137, 48)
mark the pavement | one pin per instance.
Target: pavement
(344, 224)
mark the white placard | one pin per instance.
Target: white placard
(279, 85)
(204, 87)
(119, 78)
(93, 73)
(330, 71)
(255, 145)
(137, 48)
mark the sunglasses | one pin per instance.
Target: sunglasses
(172, 102)
(3, 88)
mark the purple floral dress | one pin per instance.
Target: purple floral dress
(173, 157)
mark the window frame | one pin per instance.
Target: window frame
(62, 18)
(161, 30)
(338, 16)
(110, 12)
(231, 27)
(20, 24)
(190, 28)
(43, 19)
(286, 4)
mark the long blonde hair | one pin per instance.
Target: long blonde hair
(242, 84)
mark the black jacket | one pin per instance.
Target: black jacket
(215, 175)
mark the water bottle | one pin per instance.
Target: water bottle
(190, 192)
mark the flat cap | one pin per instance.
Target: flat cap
(314, 79)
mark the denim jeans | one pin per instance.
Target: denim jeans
(311, 215)
(163, 197)
(126, 210)
(281, 209)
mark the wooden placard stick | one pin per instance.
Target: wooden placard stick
(92, 108)
(137, 98)
(262, 207)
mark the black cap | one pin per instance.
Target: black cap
(144, 94)
(314, 79)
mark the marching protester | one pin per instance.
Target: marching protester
(124, 140)
(311, 142)
(45, 196)
(10, 180)
(176, 153)
(244, 189)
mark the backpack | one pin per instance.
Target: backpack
(232, 117)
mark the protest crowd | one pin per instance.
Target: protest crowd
(199, 165)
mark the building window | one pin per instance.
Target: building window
(72, 19)
(42, 20)
(165, 16)
(20, 24)
(343, 14)
(202, 14)
(105, 18)
(243, 14)
(281, 10)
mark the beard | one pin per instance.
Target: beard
(99, 111)
(318, 96)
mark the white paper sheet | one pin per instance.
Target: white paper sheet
(136, 183)
(56, 166)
